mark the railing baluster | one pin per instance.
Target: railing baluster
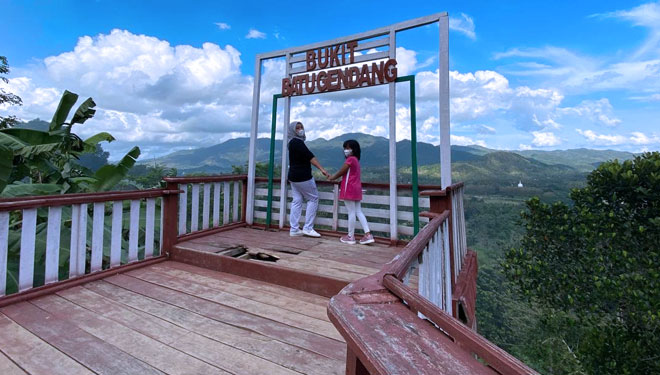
(52, 244)
(183, 208)
(115, 240)
(225, 206)
(4, 243)
(206, 206)
(149, 228)
(216, 204)
(194, 209)
(335, 207)
(160, 225)
(447, 278)
(28, 236)
(73, 245)
(78, 246)
(97, 237)
(237, 189)
(134, 231)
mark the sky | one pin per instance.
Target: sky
(178, 75)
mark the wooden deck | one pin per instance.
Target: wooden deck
(174, 318)
(322, 256)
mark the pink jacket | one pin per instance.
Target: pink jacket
(350, 188)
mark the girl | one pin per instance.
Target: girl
(350, 191)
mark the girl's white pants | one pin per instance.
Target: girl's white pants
(354, 209)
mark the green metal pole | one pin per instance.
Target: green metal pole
(413, 150)
(271, 161)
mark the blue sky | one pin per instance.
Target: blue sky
(171, 75)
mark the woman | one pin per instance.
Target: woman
(303, 186)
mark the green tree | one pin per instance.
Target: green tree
(35, 162)
(7, 97)
(596, 261)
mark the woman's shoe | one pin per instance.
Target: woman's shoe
(367, 239)
(348, 239)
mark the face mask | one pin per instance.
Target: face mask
(300, 132)
(348, 153)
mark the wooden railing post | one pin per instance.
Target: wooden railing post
(353, 364)
(170, 205)
(440, 201)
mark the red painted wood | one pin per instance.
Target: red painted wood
(210, 231)
(389, 339)
(365, 185)
(465, 290)
(202, 179)
(112, 288)
(64, 335)
(70, 283)
(464, 337)
(7, 204)
(316, 284)
(400, 264)
(170, 205)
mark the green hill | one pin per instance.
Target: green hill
(375, 154)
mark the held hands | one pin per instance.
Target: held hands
(325, 173)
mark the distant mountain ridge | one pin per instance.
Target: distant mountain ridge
(375, 153)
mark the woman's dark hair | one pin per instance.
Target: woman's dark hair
(353, 145)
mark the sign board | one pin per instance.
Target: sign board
(333, 68)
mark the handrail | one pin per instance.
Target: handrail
(202, 179)
(373, 185)
(494, 356)
(378, 318)
(18, 203)
(400, 264)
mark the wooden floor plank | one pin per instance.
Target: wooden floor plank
(256, 284)
(261, 346)
(32, 353)
(8, 367)
(137, 320)
(129, 290)
(93, 353)
(217, 282)
(292, 319)
(150, 351)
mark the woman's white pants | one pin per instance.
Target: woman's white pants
(303, 191)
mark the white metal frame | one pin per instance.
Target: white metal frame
(296, 56)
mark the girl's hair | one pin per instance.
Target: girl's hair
(353, 145)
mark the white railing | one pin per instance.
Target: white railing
(428, 254)
(219, 198)
(45, 239)
(459, 240)
(332, 214)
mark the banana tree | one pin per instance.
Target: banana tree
(34, 162)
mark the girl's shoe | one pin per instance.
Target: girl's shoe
(367, 239)
(348, 239)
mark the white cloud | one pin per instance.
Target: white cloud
(602, 139)
(524, 147)
(466, 141)
(645, 15)
(640, 138)
(598, 111)
(255, 34)
(222, 26)
(583, 74)
(647, 98)
(168, 97)
(464, 25)
(545, 139)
